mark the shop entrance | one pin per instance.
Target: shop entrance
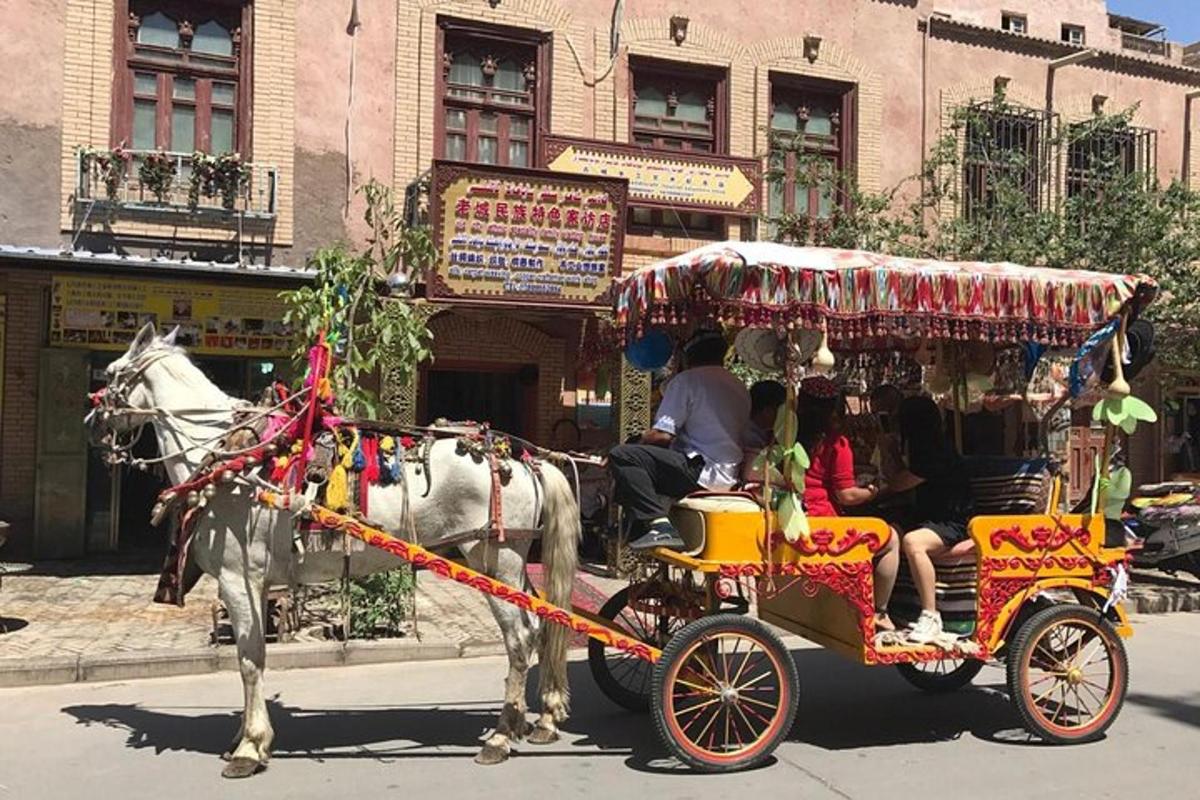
(503, 395)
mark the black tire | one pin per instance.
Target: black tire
(624, 678)
(696, 665)
(942, 676)
(1065, 642)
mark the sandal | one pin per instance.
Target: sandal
(883, 622)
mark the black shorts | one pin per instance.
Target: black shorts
(951, 533)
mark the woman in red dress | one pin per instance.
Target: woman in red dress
(830, 485)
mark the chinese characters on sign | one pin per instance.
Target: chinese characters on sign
(105, 314)
(524, 235)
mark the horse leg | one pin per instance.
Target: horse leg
(519, 631)
(244, 597)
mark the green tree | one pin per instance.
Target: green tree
(1120, 220)
(350, 302)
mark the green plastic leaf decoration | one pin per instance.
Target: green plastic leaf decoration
(792, 519)
(785, 427)
(1124, 412)
(800, 456)
(1120, 486)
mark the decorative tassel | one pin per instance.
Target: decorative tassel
(337, 489)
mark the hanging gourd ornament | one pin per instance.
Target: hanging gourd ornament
(823, 360)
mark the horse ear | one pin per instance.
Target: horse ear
(169, 339)
(143, 339)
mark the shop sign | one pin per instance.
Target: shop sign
(104, 313)
(722, 184)
(522, 236)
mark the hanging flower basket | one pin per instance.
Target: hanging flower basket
(157, 174)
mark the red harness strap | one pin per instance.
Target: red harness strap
(494, 509)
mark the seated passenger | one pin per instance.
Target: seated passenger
(942, 502)
(696, 442)
(829, 484)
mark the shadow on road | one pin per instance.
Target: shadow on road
(1176, 708)
(12, 624)
(842, 706)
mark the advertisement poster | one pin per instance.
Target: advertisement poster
(104, 313)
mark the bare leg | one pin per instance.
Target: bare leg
(245, 598)
(887, 565)
(920, 548)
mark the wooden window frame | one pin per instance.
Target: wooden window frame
(508, 36)
(845, 157)
(1008, 17)
(687, 75)
(1068, 29)
(126, 62)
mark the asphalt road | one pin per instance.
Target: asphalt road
(411, 730)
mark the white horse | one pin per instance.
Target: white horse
(248, 547)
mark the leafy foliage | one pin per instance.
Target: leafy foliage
(381, 603)
(350, 303)
(1119, 220)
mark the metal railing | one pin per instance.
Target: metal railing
(1143, 44)
(124, 188)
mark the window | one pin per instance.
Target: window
(1073, 34)
(1006, 155)
(810, 138)
(677, 107)
(179, 79)
(669, 222)
(1096, 154)
(1014, 23)
(490, 99)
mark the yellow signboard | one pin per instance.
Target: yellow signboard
(714, 183)
(525, 236)
(104, 313)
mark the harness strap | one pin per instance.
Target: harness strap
(495, 512)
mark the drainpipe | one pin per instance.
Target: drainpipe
(1187, 136)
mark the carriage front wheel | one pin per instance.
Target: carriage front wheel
(1067, 673)
(724, 693)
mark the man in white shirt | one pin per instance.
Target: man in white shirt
(695, 443)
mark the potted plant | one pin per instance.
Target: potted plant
(111, 167)
(157, 173)
(225, 176)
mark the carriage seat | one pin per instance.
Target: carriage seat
(733, 518)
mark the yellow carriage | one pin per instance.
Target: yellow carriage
(1043, 583)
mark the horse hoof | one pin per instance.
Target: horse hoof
(543, 736)
(491, 755)
(241, 768)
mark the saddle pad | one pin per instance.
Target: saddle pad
(725, 504)
(1009, 494)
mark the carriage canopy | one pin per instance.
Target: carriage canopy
(857, 295)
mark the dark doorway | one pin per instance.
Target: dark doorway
(504, 397)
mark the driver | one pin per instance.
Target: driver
(695, 442)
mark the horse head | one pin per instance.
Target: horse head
(127, 400)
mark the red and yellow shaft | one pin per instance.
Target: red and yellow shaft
(419, 556)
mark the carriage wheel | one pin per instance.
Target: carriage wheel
(724, 693)
(1067, 673)
(654, 614)
(943, 675)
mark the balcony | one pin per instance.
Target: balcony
(1143, 44)
(208, 193)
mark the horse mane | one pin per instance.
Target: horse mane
(185, 370)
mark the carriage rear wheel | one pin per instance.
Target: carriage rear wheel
(943, 675)
(724, 693)
(1067, 673)
(650, 611)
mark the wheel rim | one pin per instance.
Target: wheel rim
(1070, 678)
(649, 619)
(727, 697)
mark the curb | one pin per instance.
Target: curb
(56, 670)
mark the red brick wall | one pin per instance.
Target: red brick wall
(24, 336)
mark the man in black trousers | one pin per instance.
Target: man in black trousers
(695, 442)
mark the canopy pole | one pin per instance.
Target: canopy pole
(960, 399)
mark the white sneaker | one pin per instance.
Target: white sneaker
(926, 629)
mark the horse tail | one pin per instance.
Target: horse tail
(560, 554)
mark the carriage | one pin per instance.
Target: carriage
(693, 637)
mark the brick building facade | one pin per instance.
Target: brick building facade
(319, 97)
